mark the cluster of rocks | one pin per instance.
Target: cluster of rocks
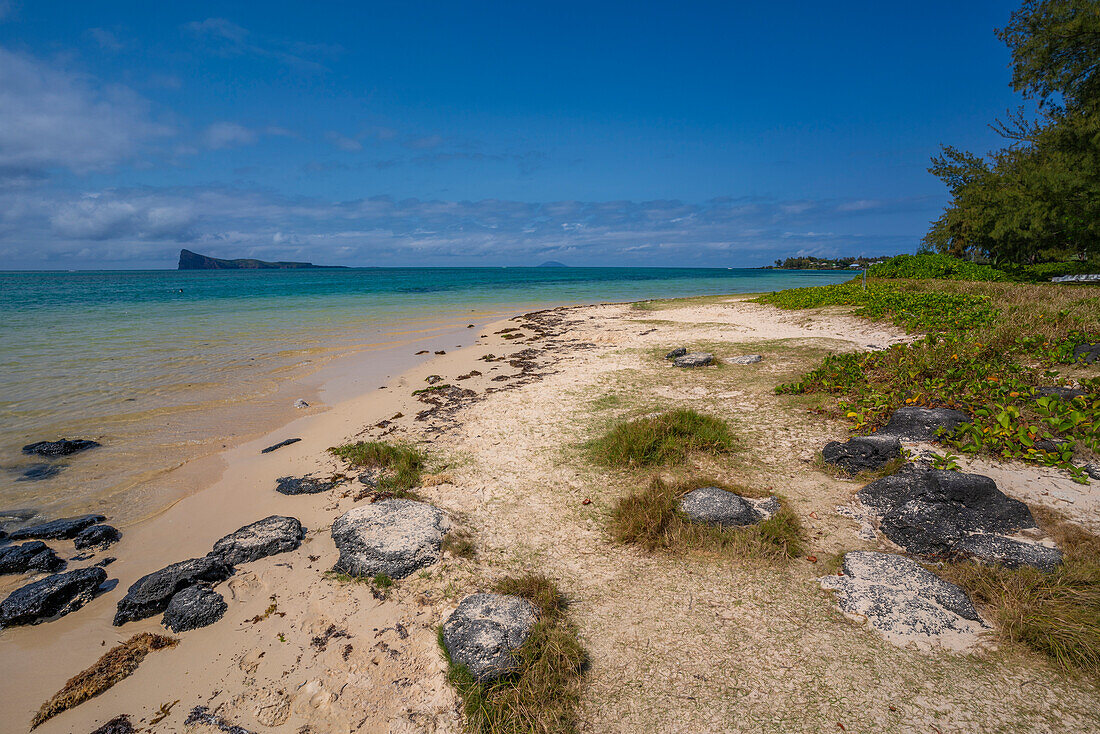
(717, 506)
(184, 590)
(52, 450)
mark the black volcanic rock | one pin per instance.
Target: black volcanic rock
(194, 607)
(923, 424)
(61, 447)
(194, 261)
(53, 596)
(97, 536)
(275, 534)
(151, 593)
(862, 453)
(32, 556)
(68, 527)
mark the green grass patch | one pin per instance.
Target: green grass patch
(460, 544)
(543, 695)
(1056, 613)
(401, 465)
(664, 439)
(650, 519)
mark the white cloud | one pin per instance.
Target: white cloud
(106, 39)
(225, 38)
(343, 142)
(227, 135)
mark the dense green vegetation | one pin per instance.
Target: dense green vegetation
(988, 347)
(543, 695)
(401, 465)
(1038, 198)
(666, 438)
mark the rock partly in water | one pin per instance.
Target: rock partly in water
(61, 447)
(392, 537)
(1087, 353)
(277, 446)
(97, 536)
(717, 506)
(862, 453)
(746, 359)
(695, 359)
(923, 424)
(32, 556)
(677, 352)
(151, 593)
(68, 527)
(904, 601)
(484, 632)
(274, 534)
(38, 472)
(304, 485)
(53, 596)
(194, 607)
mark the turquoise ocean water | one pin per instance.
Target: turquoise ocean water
(162, 366)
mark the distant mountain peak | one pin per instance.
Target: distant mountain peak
(194, 261)
(553, 264)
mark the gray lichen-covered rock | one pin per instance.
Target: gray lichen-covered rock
(303, 485)
(695, 359)
(1065, 393)
(1010, 552)
(61, 447)
(151, 593)
(900, 599)
(746, 359)
(194, 607)
(393, 537)
(717, 506)
(862, 453)
(677, 352)
(274, 534)
(32, 556)
(484, 632)
(67, 527)
(1087, 353)
(51, 597)
(923, 424)
(97, 536)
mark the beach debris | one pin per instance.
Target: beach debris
(299, 404)
(433, 379)
(717, 506)
(677, 352)
(60, 447)
(38, 472)
(64, 528)
(423, 351)
(121, 724)
(202, 715)
(1087, 352)
(923, 424)
(469, 326)
(746, 359)
(862, 453)
(277, 446)
(949, 514)
(194, 607)
(694, 359)
(304, 485)
(97, 536)
(115, 665)
(274, 534)
(441, 351)
(468, 375)
(104, 562)
(151, 593)
(393, 537)
(903, 601)
(485, 631)
(32, 556)
(52, 597)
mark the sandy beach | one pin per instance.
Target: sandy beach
(677, 644)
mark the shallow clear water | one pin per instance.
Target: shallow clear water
(162, 365)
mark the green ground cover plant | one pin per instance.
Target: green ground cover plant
(543, 695)
(664, 439)
(401, 465)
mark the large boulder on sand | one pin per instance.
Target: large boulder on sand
(392, 537)
(900, 599)
(695, 359)
(484, 632)
(67, 527)
(151, 593)
(717, 506)
(51, 597)
(32, 556)
(274, 534)
(862, 453)
(923, 424)
(194, 607)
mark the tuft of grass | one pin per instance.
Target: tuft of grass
(382, 581)
(1056, 613)
(460, 544)
(543, 695)
(117, 663)
(401, 465)
(650, 519)
(667, 438)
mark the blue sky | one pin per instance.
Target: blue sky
(503, 133)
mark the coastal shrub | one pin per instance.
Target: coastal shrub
(544, 694)
(650, 519)
(987, 349)
(666, 438)
(931, 265)
(401, 465)
(1055, 613)
(117, 663)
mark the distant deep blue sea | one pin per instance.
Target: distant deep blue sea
(154, 363)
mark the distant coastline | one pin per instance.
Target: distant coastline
(824, 263)
(194, 261)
